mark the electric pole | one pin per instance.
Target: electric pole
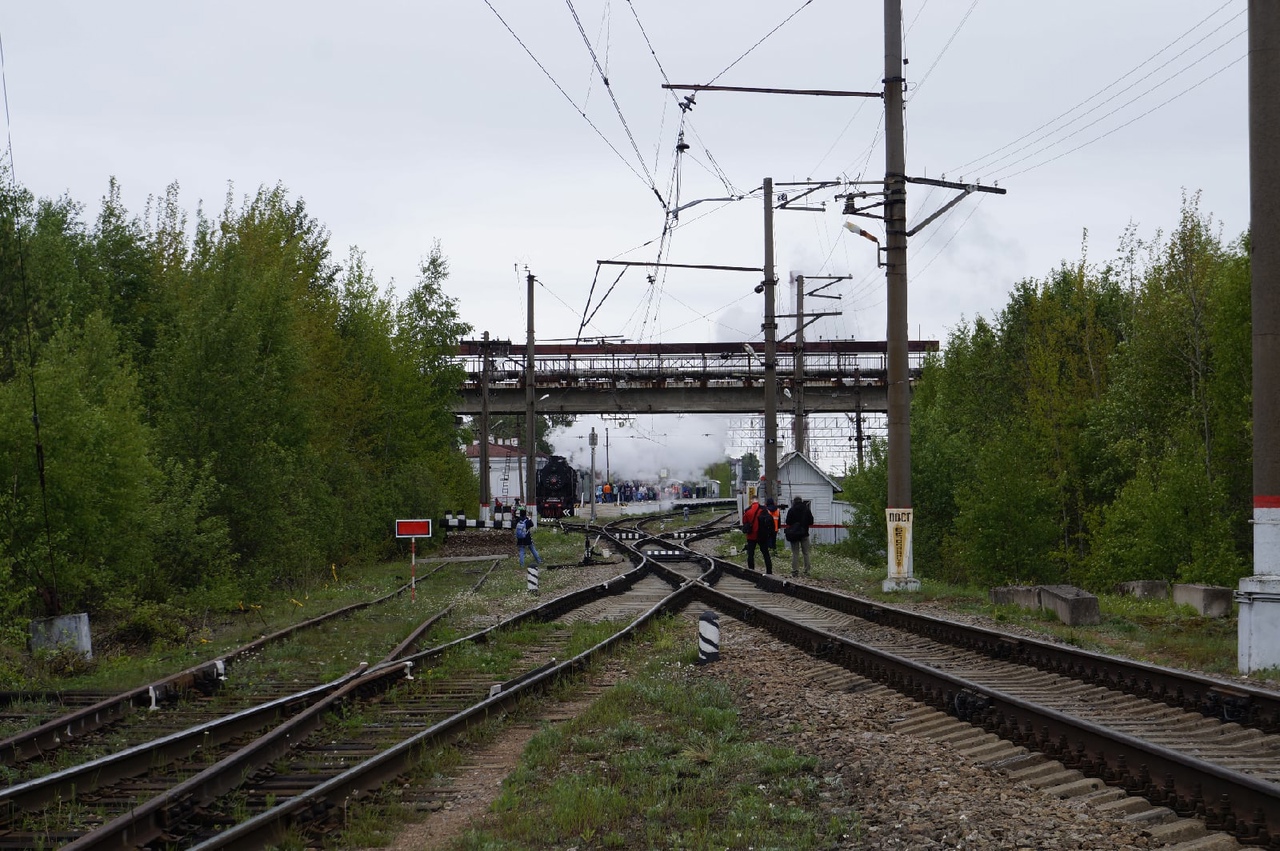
(797, 381)
(899, 515)
(593, 440)
(485, 496)
(530, 422)
(770, 350)
(1259, 594)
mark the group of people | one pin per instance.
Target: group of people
(761, 524)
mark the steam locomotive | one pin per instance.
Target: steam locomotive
(557, 488)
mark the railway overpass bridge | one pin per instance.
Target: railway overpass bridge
(840, 376)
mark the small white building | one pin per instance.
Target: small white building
(506, 469)
(799, 476)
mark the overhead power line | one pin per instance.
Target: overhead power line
(1005, 174)
(1160, 105)
(613, 98)
(762, 40)
(649, 181)
(979, 161)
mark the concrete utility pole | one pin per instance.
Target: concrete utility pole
(899, 515)
(1259, 595)
(797, 388)
(486, 498)
(593, 440)
(530, 421)
(770, 327)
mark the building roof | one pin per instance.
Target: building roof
(498, 451)
(801, 458)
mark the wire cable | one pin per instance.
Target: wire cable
(762, 40)
(576, 108)
(1126, 104)
(1103, 90)
(614, 99)
(1160, 105)
(942, 52)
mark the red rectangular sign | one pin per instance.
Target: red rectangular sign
(413, 528)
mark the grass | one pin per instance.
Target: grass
(659, 761)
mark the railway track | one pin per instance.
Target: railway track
(1191, 746)
(114, 753)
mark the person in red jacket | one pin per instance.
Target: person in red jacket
(757, 523)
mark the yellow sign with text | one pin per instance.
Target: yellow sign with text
(900, 560)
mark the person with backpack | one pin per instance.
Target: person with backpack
(524, 539)
(776, 514)
(799, 519)
(757, 523)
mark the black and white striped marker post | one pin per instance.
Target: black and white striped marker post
(531, 574)
(708, 638)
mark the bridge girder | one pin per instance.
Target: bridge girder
(673, 399)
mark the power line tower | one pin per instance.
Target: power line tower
(892, 200)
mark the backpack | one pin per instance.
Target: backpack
(749, 524)
(522, 532)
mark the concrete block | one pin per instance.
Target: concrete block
(69, 632)
(1145, 589)
(1026, 596)
(1211, 601)
(1073, 606)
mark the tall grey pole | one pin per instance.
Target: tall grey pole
(1259, 595)
(895, 213)
(485, 497)
(593, 440)
(530, 421)
(797, 390)
(770, 351)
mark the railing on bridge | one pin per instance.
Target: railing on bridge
(830, 363)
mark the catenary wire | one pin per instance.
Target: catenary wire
(578, 109)
(614, 100)
(1163, 103)
(762, 40)
(1105, 89)
(918, 86)
(1004, 174)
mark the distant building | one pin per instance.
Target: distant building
(506, 469)
(799, 476)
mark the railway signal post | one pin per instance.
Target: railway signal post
(413, 529)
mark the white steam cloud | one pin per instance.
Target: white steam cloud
(642, 447)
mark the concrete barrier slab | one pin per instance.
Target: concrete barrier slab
(1212, 601)
(1026, 596)
(67, 632)
(1145, 589)
(1073, 606)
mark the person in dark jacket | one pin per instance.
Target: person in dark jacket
(774, 512)
(524, 539)
(799, 519)
(757, 524)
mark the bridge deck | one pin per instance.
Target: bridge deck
(840, 375)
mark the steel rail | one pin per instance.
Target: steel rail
(155, 817)
(1227, 800)
(205, 677)
(270, 826)
(1228, 701)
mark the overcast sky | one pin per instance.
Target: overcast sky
(400, 123)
